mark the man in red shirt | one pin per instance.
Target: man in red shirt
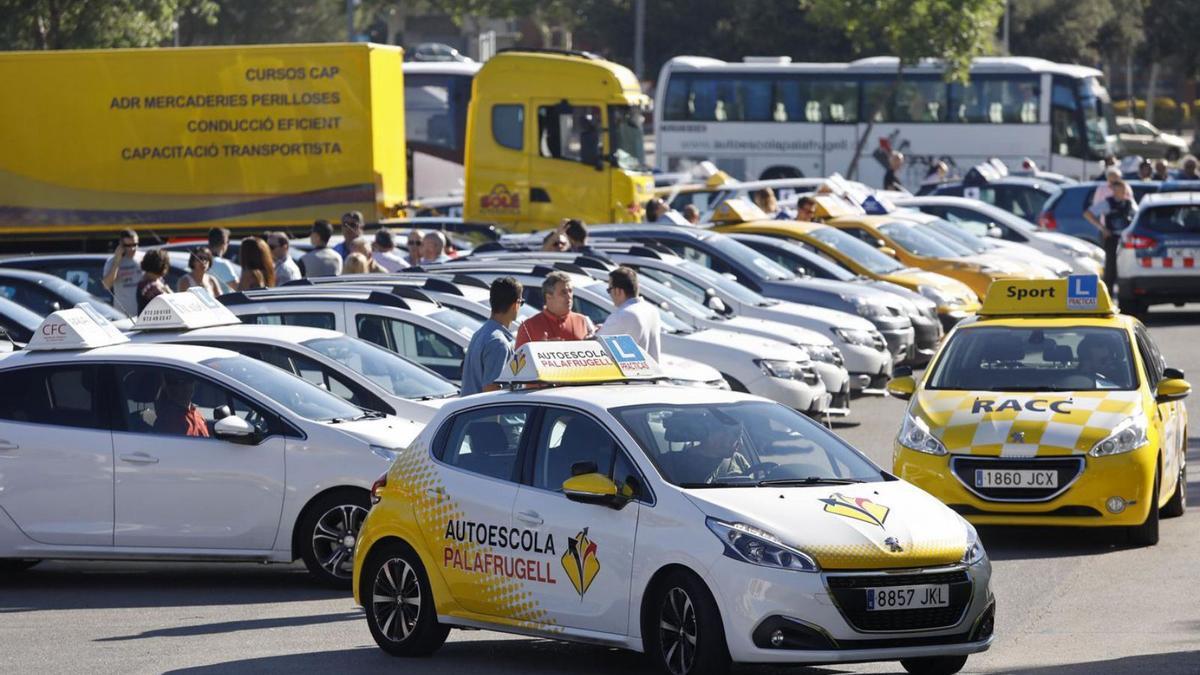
(174, 411)
(556, 321)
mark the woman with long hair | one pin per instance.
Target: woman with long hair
(199, 262)
(258, 269)
(155, 265)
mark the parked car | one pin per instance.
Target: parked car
(1139, 137)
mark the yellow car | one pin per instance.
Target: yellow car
(1048, 409)
(954, 299)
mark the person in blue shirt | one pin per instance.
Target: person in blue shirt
(352, 228)
(492, 345)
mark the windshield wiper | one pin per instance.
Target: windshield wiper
(1040, 388)
(369, 415)
(811, 480)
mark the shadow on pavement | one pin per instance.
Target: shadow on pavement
(1028, 543)
(91, 585)
(234, 626)
(1162, 319)
(1158, 664)
(496, 657)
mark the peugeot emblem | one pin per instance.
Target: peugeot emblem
(893, 544)
(1017, 437)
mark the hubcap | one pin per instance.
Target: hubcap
(396, 599)
(677, 631)
(334, 536)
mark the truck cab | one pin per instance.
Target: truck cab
(553, 135)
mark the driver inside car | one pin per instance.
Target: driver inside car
(174, 411)
(718, 452)
(1096, 358)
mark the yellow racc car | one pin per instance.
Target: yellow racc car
(1048, 409)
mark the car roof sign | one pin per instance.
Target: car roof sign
(1078, 294)
(196, 308)
(831, 206)
(74, 329)
(609, 358)
(736, 210)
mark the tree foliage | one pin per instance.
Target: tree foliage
(82, 24)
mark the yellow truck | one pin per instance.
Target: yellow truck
(555, 134)
(174, 141)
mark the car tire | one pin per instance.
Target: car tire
(1178, 502)
(683, 630)
(934, 665)
(327, 533)
(404, 620)
(16, 565)
(1146, 534)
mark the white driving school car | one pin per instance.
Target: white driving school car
(702, 527)
(121, 451)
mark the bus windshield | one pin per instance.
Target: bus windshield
(625, 137)
(859, 252)
(1097, 115)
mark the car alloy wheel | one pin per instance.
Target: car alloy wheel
(333, 539)
(677, 631)
(396, 599)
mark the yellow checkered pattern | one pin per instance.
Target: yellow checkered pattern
(871, 551)
(1091, 418)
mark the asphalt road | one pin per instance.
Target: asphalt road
(1070, 602)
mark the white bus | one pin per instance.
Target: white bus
(436, 95)
(770, 118)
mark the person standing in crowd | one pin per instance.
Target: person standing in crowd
(433, 248)
(1112, 176)
(222, 267)
(655, 208)
(258, 268)
(1111, 216)
(492, 345)
(765, 200)
(556, 321)
(122, 272)
(806, 209)
(384, 251)
(362, 246)
(199, 262)
(1109, 162)
(1161, 170)
(891, 178)
(1189, 168)
(634, 317)
(1145, 170)
(321, 261)
(356, 263)
(415, 237)
(352, 228)
(286, 269)
(577, 239)
(938, 171)
(555, 241)
(691, 213)
(154, 267)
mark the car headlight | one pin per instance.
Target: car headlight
(757, 547)
(870, 310)
(824, 354)
(390, 454)
(915, 435)
(855, 336)
(1126, 437)
(974, 553)
(788, 370)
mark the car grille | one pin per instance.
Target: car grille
(1068, 469)
(850, 594)
(879, 342)
(810, 375)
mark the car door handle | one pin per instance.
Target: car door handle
(6, 445)
(530, 517)
(139, 458)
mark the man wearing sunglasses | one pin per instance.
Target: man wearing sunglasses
(123, 271)
(634, 317)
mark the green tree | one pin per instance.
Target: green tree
(83, 24)
(952, 31)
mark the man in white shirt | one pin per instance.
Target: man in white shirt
(123, 271)
(433, 248)
(634, 317)
(384, 251)
(286, 269)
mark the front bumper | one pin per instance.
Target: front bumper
(837, 384)
(862, 359)
(899, 342)
(757, 601)
(796, 394)
(1081, 504)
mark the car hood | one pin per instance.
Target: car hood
(861, 526)
(766, 328)
(1073, 243)
(1023, 424)
(750, 346)
(389, 431)
(1024, 253)
(679, 368)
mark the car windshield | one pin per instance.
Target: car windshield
(296, 394)
(386, 369)
(797, 259)
(995, 214)
(858, 251)
(918, 242)
(74, 295)
(1178, 219)
(1004, 358)
(678, 301)
(958, 237)
(625, 137)
(742, 444)
(751, 259)
(724, 284)
(460, 322)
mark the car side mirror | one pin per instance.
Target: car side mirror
(221, 412)
(1173, 373)
(1172, 389)
(235, 430)
(887, 250)
(713, 302)
(902, 387)
(995, 232)
(596, 488)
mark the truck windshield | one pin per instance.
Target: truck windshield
(1036, 359)
(625, 137)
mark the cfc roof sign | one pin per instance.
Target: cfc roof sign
(1077, 294)
(81, 327)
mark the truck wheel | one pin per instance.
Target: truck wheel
(1178, 502)
(399, 603)
(1146, 534)
(327, 533)
(934, 665)
(684, 634)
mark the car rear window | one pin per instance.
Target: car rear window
(1179, 219)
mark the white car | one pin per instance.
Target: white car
(762, 366)
(363, 374)
(700, 527)
(979, 218)
(115, 450)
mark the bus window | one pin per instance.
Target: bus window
(1066, 136)
(676, 104)
(815, 100)
(1097, 112)
(995, 101)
